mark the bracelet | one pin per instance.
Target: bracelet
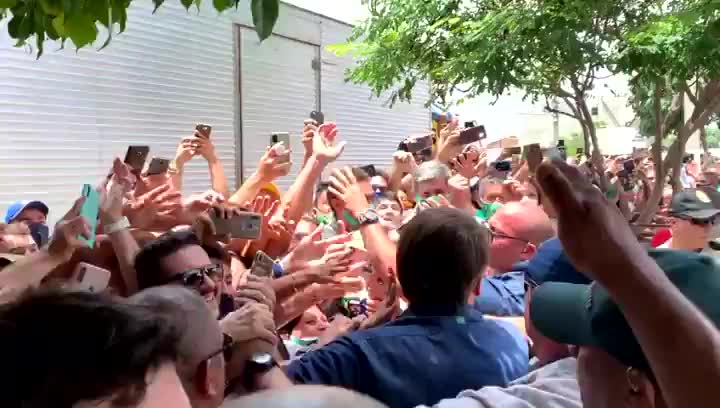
(119, 225)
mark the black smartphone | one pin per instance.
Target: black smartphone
(318, 117)
(370, 170)
(418, 144)
(472, 135)
(470, 124)
(204, 130)
(136, 156)
(629, 166)
(503, 166)
(158, 166)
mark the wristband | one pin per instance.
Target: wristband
(277, 269)
(121, 224)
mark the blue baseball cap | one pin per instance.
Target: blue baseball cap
(551, 264)
(19, 206)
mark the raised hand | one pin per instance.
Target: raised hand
(65, 239)
(345, 187)
(311, 248)
(449, 143)
(270, 166)
(584, 214)
(142, 210)
(404, 162)
(309, 131)
(325, 147)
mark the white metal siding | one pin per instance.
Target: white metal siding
(279, 89)
(64, 117)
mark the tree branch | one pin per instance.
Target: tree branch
(689, 94)
(559, 112)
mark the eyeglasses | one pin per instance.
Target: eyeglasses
(226, 348)
(196, 276)
(497, 234)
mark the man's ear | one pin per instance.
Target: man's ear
(529, 251)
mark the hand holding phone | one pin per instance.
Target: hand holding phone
(280, 142)
(472, 135)
(90, 211)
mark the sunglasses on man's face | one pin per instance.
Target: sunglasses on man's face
(196, 276)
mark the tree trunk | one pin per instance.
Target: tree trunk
(586, 120)
(705, 163)
(653, 201)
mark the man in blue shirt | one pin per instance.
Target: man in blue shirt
(439, 346)
(517, 230)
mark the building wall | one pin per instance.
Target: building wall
(64, 117)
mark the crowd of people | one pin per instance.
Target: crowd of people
(463, 275)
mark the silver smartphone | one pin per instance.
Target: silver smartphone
(246, 225)
(262, 265)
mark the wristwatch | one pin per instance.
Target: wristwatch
(119, 225)
(258, 364)
(368, 217)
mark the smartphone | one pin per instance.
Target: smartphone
(90, 211)
(503, 166)
(470, 124)
(629, 166)
(262, 265)
(472, 135)
(318, 117)
(136, 156)
(283, 151)
(419, 144)
(91, 278)
(246, 225)
(158, 166)
(204, 130)
(370, 170)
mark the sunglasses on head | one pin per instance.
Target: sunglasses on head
(196, 276)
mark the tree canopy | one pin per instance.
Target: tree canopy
(78, 20)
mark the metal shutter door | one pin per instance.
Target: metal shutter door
(64, 117)
(278, 91)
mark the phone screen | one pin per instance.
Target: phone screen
(90, 211)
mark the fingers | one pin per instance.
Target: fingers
(272, 209)
(341, 176)
(75, 209)
(317, 233)
(338, 239)
(78, 226)
(558, 189)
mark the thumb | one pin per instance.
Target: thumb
(558, 189)
(341, 148)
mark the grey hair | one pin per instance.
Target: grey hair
(431, 170)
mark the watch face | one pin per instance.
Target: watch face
(262, 358)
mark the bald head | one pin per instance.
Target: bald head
(525, 220)
(201, 332)
(306, 396)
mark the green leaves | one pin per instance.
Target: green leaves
(78, 20)
(264, 15)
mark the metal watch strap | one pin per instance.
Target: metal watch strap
(369, 216)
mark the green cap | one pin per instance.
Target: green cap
(585, 315)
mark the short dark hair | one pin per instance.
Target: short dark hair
(440, 253)
(148, 262)
(61, 348)
(388, 195)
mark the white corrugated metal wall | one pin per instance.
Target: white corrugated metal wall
(64, 117)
